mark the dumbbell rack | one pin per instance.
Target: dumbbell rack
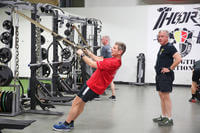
(16, 105)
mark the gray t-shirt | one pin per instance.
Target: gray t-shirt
(106, 51)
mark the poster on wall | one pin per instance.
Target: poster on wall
(183, 24)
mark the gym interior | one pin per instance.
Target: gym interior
(41, 73)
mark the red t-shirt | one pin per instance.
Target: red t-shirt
(103, 75)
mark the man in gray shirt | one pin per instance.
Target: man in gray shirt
(106, 49)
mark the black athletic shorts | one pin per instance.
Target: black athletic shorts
(86, 94)
(164, 82)
(196, 75)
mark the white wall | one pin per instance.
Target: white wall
(122, 24)
(110, 3)
(132, 3)
(116, 23)
(130, 25)
(126, 24)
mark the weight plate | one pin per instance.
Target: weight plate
(7, 24)
(10, 76)
(6, 37)
(10, 99)
(68, 25)
(6, 75)
(44, 53)
(4, 101)
(46, 70)
(65, 68)
(43, 40)
(65, 53)
(2, 95)
(0, 101)
(67, 32)
(3, 76)
(5, 55)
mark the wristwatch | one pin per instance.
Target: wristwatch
(170, 69)
(82, 55)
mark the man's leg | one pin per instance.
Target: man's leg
(167, 104)
(112, 86)
(194, 87)
(167, 121)
(164, 114)
(76, 109)
(163, 107)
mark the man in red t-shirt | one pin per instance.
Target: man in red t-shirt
(96, 85)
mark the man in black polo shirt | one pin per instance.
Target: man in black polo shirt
(167, 59)
(195, 81)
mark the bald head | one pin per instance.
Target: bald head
(105, 40)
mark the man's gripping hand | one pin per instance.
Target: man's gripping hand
(79, 52)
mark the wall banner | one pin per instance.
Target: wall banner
(183, 24)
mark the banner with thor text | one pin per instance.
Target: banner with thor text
(183, 24)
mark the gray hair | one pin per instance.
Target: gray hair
(165, 31)
(121, 46)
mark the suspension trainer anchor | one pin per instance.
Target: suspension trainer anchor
(59, 37)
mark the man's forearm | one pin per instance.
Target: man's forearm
(177, 60)
(94, 57)
(89, 61)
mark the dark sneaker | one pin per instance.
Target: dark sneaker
(166, 122)
(71, 124)
(158, 119)
(192, 100)
(62, 127)
(112, 98)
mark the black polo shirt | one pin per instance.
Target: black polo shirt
(165, 57)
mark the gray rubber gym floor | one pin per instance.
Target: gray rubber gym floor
(132, 112)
